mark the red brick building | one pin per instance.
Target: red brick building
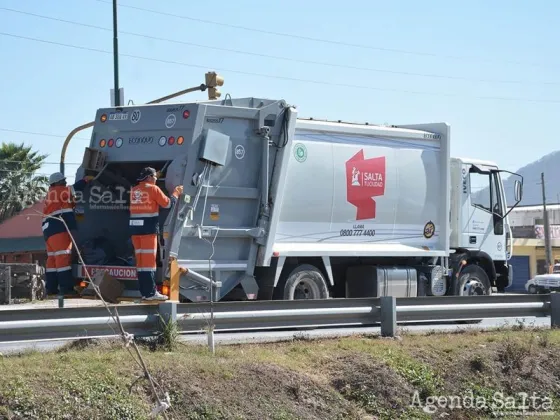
(21, 237)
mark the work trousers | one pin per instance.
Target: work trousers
(145, 249)
(59, 264)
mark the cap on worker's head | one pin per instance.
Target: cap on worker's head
(146, 172)
(56, 177)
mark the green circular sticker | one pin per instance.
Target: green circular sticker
(300, 152)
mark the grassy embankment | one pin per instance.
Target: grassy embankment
(349, 378)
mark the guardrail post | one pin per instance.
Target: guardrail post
(168, 311)
(555, 310)
(388, 306)
(9, 285)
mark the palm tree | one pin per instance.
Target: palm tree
(20, 187)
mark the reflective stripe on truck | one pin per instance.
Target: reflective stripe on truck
(118, 272)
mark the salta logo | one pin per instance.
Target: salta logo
(365, 179)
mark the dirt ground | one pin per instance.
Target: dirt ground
(348, 378)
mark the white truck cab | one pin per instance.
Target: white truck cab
(480, 231)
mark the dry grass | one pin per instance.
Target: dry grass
(347, 378)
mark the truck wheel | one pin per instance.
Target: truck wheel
(472, 281)
(304, 282)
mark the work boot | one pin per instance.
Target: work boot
(156, 296)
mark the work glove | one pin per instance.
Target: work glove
(178, 191)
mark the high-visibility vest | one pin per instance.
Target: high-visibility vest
(60, 202)
(145, 200)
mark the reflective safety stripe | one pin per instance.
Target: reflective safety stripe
(64, 268)
(146, 251)
(140, 215)
(51, 270)
(146, 269)
(63, 252)
(56, 212)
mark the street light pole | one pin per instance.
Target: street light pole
(116, 54)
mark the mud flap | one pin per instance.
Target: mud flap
(250, 287)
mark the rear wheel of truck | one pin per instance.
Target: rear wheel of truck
(473, 281)
(304, 282)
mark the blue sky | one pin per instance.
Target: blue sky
(476, 46)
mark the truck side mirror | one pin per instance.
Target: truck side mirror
(518, 191)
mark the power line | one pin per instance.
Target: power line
(41, 163)
(293, 79)
(276, 57)
(325, 41)
(39, 134)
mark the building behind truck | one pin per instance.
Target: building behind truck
(286, 208)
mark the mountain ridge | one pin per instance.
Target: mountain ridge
(531, 173)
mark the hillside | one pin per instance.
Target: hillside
(532, 193)
(348, 378)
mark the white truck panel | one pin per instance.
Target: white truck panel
(364, 190)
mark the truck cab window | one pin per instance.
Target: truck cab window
(497, 205)
(480, 191)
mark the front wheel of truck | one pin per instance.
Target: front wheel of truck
(473, 281)
(304, 282)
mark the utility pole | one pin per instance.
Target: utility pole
(116, 54)
(547, 245)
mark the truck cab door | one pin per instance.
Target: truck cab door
(483, 211)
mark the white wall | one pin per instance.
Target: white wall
(525, 216)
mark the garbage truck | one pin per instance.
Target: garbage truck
(280, 207)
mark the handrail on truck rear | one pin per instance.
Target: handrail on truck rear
(76, 130)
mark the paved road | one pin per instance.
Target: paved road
(75, 303)
(53, 303)
(225, 338)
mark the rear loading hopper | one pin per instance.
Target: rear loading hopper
(216, 152)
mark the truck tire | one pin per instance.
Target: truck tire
(304, 282)
(472, 281)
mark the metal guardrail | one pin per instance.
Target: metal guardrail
(144, 320)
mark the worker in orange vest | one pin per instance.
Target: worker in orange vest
(145, 200)
(60, 203)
